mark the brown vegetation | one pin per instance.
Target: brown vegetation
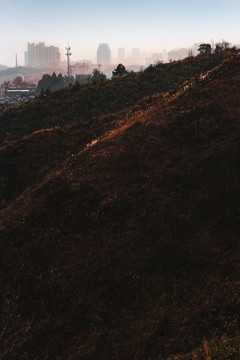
(130, 248)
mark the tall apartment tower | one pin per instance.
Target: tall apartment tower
(104, 54)
(121, 55)
(26, 58)
(135, 56)
(41, 56)
(30, 55)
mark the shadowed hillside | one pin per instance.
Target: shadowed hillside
(63, 122)
(33, 156)
(88, 101)
(129, 249)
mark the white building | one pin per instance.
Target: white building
(103, 55)
(41, 56)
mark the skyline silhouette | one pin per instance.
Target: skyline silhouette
(150, 26)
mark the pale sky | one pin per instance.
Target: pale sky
(151, 25)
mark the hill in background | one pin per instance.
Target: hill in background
(3, 67)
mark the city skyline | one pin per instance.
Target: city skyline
(150, 26)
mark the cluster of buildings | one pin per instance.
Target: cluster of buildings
(133, 58)
(136, 58)
(40, 59)
(41, 56)
(104, 56)
(106, 64)
(82, 68)
(16, 92)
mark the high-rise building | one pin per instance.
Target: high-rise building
(26, 58)
(103, 55)
(31, 55)
(135, 56)
(41, 56)
(121, 55)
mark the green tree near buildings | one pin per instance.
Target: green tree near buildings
(220, 47)
(53, 82)
(18, 81)
(205, 49)
(97, 75)
(119, 71)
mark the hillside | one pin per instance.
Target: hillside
(65, 121)
(88, 101)
(29, 159)
(129, 247)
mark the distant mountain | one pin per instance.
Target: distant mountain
(22, 70)
(128, 247)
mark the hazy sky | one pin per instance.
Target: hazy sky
(150, 25)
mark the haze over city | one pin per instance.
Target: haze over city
(150, 26)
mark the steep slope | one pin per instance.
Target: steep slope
(131, 248)
(29, 159)
(67, 122)
(99, 98)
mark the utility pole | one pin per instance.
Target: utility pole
(16, 61)
(69, 70)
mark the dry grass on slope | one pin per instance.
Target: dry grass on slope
(131, 248)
